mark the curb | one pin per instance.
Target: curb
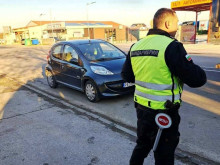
(204, 53)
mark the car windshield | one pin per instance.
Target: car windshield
(101, 51)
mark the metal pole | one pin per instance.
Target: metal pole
(87, 15)
(87, 20)
(157, 139)
(209, 28)
(41, 27)
(40, 30)
(196, 26)
(51, 23)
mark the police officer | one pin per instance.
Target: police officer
(159, 66)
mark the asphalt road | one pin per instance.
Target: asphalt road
(200, 125)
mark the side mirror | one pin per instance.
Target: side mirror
(74, 61)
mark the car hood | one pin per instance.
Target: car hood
(115, 66)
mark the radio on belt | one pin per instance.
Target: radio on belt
(163, 121)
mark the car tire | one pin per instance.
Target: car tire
(51, 79)
(91, 91)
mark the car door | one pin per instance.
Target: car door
(56, 61)
(72, 69)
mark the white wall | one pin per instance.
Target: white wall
(36, 32)
(73, 32)
(9, 38)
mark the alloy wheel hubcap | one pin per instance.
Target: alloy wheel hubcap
(50, 78)
(90, 91)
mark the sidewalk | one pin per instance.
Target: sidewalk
(202, 48)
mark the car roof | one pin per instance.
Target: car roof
(83, 41)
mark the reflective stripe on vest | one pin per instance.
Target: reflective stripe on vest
(158, 87)
(156, 97)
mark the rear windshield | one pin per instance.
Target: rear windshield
(101, 51)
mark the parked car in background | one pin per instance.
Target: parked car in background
(90, 66)
(56, 39)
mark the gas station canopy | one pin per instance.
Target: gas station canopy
(191, 5)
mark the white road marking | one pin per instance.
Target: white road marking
(212, 70)
(208, 67)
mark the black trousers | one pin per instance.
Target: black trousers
(146, 134)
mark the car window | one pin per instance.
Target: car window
(91, 51)
(105, 47)
(109, 51)
(69, 53)
(57, 52)
(100, 51)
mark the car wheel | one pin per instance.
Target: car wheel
(91, 91)
(51, 79)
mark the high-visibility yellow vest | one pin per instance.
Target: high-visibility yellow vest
(154, 83)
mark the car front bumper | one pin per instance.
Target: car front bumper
(112, 85)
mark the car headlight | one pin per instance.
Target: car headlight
(101, 70)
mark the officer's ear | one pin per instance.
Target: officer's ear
(167, 24)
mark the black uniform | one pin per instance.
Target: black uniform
(188, 73)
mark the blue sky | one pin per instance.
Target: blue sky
(17, 13)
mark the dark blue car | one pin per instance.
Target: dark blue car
(90, 66)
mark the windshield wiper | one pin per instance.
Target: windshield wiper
(107, 59)
(118, 58)
(104, 59)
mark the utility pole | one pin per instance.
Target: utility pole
(51, 23)
(41, 14)
(87, 15)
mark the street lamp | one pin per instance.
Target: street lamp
(51, 24)
(87, 7)
(41, 14)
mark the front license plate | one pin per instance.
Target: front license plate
(126, 84)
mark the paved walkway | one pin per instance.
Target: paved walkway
(203, 48)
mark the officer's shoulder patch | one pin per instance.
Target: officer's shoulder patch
(188, 57)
